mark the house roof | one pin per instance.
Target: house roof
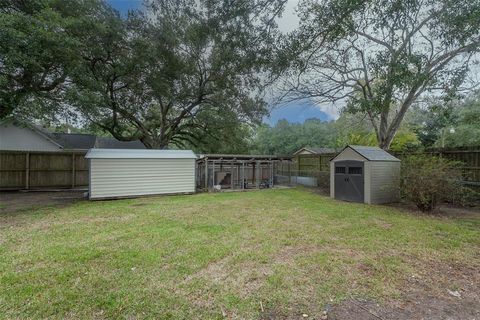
(74, 140)
(112, 143)
(139, 154)
(80, 141)
(372, 153)
(77, 141)
(316, 150)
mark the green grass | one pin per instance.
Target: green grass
(216, 255)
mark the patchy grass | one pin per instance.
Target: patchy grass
(221, 255)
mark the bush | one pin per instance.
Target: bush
(429, 180)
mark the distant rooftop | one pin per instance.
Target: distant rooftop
(74, 140)
(112, 143)
(316, 150)
(82, 141)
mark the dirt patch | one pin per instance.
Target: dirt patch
(444, 210)
(414, 306)
(11, 202)
(454, 294)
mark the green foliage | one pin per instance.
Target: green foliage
(405, 140)
(452, 123)
(432, 123)
(285, 137)
(382, 56)
(186, 77)
(354, 130)
(39, 49)
(466, 128)
(429, 180)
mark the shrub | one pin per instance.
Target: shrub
(428, 180)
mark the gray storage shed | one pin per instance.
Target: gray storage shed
(117, 173)
(365, 174)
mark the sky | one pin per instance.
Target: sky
(294, 112)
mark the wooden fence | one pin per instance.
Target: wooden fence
(469, 156)
(36, 170)
(313, 162)
(316, 165)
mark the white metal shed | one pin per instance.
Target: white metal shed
(365, 174)
(117, 173)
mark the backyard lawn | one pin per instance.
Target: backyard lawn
(284, 253)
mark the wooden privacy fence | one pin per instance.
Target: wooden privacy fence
(32, 170)
(469, 156)
(317, 165)
(313, 162)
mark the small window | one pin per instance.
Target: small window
(354, 170)
(340, 170)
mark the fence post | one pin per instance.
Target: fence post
(243, 174)
(258, 173)
(206, 173)
(27, 170)
(289, 173)
(73, 170)
(231, 175)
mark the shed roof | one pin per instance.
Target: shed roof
(316, 150)
(242, 157)
(372, 153)
(139, 154)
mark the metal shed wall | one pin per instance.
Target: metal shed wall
(111, 178)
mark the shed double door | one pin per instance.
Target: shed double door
(349, 181)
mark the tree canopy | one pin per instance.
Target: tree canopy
(37, 51)
(193, 73)
(380, 57)
(186, 74)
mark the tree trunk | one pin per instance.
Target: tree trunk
(386, 140)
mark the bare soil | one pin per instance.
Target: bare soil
(15, 201)
(421, 299)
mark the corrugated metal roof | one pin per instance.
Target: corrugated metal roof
(139, 154)
(374, 153)
(213, 156)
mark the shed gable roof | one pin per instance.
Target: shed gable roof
(139, 154)
(371, 153)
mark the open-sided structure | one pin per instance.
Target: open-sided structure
(365, 174)
(237, 172)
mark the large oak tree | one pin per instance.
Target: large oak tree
(179, 72)
(380, 57)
